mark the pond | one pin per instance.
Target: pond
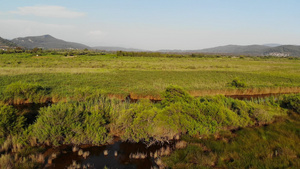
(121, 155)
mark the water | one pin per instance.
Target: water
(122, 160)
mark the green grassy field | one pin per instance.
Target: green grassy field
(122, 75)
(88, 116)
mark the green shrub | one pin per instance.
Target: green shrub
(238, 83)
(180, 113)
(291, 102)
(137, 121)
(31, 92)
(10, 122)
(174, 94)
(65, 123)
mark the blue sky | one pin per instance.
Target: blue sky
(154, 24)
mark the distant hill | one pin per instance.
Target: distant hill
(110, 48)
(258, 50)
(4, 43)
(47, 42)
(272, 44)
(290, 50)
(236, 49)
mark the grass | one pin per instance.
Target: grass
(272, 146)
(88, 117)
(119, 75)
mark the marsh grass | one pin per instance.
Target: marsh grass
(272, 146)
(72, 123)
(180, 113)
(84, 115)
(8, 161)
(18, 92)
(145, 76)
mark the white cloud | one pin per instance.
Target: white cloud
(20, 28)
(48, 11)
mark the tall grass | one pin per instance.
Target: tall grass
(24, 92)
(10, 122)
(179, 113)
(94, 119)
(76, 123)
(272, 146)
(142, 76)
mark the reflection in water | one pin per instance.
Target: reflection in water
(121, 155)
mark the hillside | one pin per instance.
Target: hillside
(47, 42)
(236, 49)
(111, 48)
(290, 50)
(258, 50)
(4, 43)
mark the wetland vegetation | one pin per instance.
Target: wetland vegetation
(138, 76)
(91, 98)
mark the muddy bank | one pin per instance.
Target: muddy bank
(233, 93)
(133, 97)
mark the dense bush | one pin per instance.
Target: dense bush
(174, 94)
(180, 113)
(291, 102)
(10, 122)
(65, 123)
(136, 122)
(238, 83)
(30, 92)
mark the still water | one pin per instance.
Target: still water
(120, 155)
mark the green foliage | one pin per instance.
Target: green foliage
(238, 83)
(143, 75)
(181, 113)
(77, 123)
(291, 102)
(31, 92)
(10, 122)
(174, 94)
(272, 146)
(185, 158)
(137, 121)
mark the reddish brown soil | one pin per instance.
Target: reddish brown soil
(234, 93)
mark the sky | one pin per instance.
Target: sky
(154, 24)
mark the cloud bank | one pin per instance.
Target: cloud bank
(48, 11)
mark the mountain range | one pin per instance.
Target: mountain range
(4, 43)
(257, 50)
(110, 48)
(49, 42)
